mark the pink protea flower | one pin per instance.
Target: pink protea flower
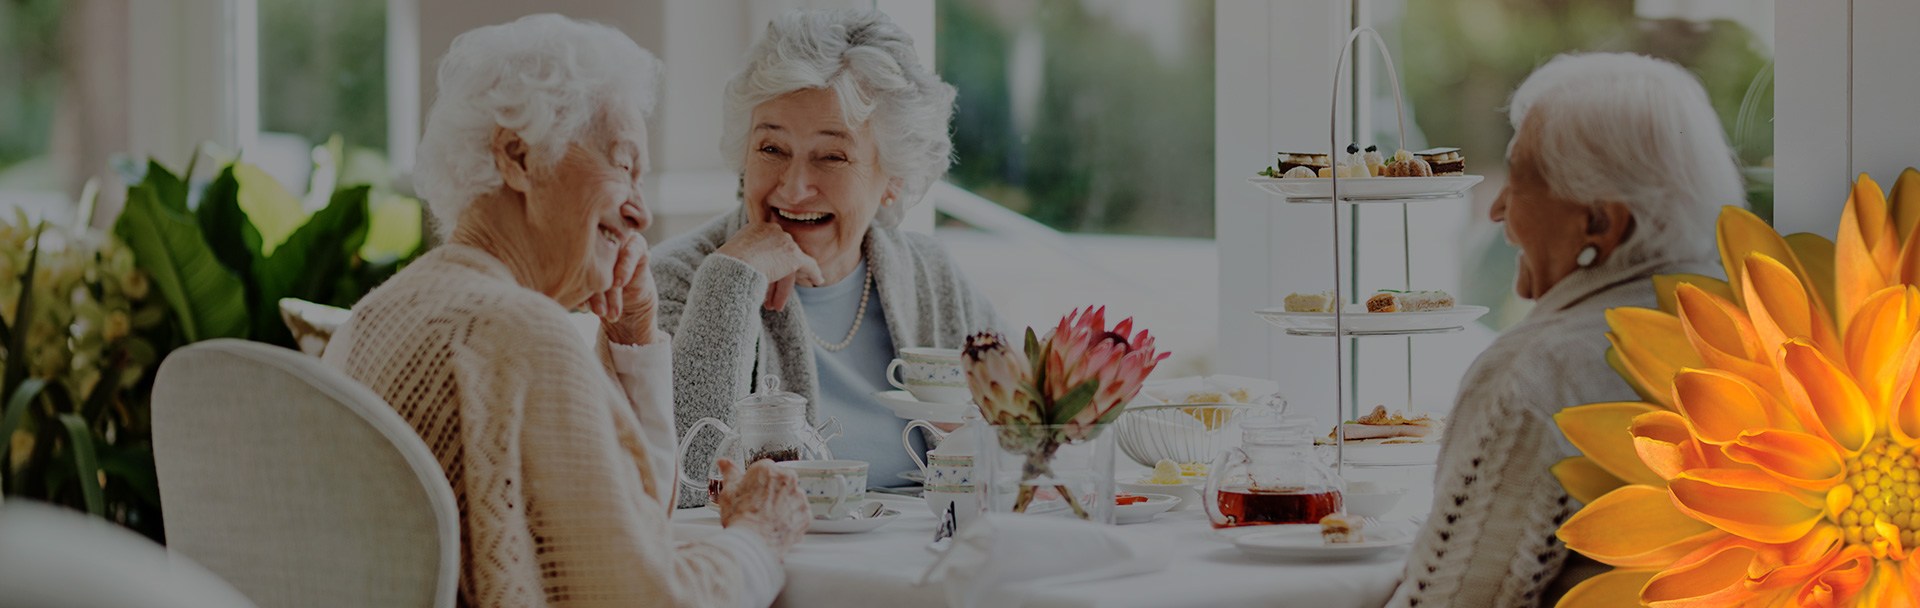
(1000, 377)
(1082, 349)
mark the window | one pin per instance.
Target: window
(33, 63)
(1092, 118)
(323, 69)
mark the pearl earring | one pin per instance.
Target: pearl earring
(1587, 256)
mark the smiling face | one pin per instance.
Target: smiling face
(817, 178)
(1549, 230)
(585, 205)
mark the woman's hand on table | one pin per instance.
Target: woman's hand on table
(626, 308)
(765, 499)
(770, 250)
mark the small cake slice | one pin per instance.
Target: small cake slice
(1444, 161)
(1309, 302)
(1388, 300)
(1405, 164)
(1312, 161)
(1340, 528)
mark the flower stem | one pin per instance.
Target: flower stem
(1072, 502)
(1026, 498)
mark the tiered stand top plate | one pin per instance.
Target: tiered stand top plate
(1368, 189)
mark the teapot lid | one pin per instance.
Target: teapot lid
(770, 395)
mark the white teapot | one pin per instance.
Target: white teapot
(948, 470)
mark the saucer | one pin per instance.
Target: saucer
(1303, 542)
(854, 525)
(906, 406)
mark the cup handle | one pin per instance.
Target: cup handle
(892, 378)
(839, 495)
(685, 442)
(906, 441)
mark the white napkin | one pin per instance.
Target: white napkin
(1001, 558)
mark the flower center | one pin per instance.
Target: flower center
(1886, 484)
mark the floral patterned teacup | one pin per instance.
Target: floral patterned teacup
(933, 375)
(834, 488)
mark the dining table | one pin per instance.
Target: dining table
(884, 567)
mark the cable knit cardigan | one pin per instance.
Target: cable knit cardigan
(723, 340)
(560, 458)
(1489, 540)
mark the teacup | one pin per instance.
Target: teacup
(933, 375)
(834, 488)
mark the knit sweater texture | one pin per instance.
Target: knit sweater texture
(560, 457)
(1489, 540)
(724, 339)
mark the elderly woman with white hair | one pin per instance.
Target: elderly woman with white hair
(1617, 170)
(559, 449)
(836, 128)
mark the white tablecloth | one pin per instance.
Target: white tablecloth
(879, 568)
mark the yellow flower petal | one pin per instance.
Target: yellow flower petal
(1799, 459)
(1633, 379)
(1601, 431)
(1654, 347)
(1610, 589)
(1665, 444)
(1905, 203)
(1826, 400)
(1713, 580)
(1840, 582)
(1877, 341)
(1904, 424)
(1815, 253)
(1584, 480)
(1636, 527)
(1720, 405)
(1742, 233)
(1887, 545)
(1665, 284)
(1888, 590)
(1748, 504)
(1782, 309)
(1724, 338)
(1864, 254)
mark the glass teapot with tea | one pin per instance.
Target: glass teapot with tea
(1272, 478)
(770, 424)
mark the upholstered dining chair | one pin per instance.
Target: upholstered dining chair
(297, 484)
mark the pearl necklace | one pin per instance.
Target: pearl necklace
(866, 288)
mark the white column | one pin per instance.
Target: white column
(1812, 93)
(186, 66)
(917, 18)
(1886, 94)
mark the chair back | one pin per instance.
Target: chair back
(58, 558)
(298, 485)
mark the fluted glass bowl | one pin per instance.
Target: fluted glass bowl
(1188, 434)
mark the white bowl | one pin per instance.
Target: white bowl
(1188, 492)
(1374, 504)
(1142, 512)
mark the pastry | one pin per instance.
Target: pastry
(1165, 473)
(1379, 424)
(1341, 528)
(1444, 161)
(1355, 159)
(1313, 162)
(1405, 164)
(1299, 172)
(1388, 300)
(1376, 164)
(1309, 302)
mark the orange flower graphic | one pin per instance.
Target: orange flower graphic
(1775, 457)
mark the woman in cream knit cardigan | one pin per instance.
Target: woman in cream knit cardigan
(1617, 170)
(559, 450)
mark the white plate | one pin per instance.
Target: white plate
(1368, 189)
(1374, 454)
(1142, 512)
(913, 476)
(1360, 322)
(1304, 542)
(854, 525)
(1188, 493)
(905, 406)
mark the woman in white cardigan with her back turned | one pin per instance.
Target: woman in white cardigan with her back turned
(1617, 171)
(559, 451)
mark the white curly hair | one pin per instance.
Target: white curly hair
(545, 77)
(870, 65)
(1637, 130)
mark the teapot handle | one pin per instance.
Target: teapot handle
(1216, 475)
(829, 430)
(906, 439)
(687, 441)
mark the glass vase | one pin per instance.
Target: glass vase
(1052, 470)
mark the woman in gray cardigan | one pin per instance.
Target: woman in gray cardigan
(835, 128)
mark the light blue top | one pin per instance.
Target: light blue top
(849, 378)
